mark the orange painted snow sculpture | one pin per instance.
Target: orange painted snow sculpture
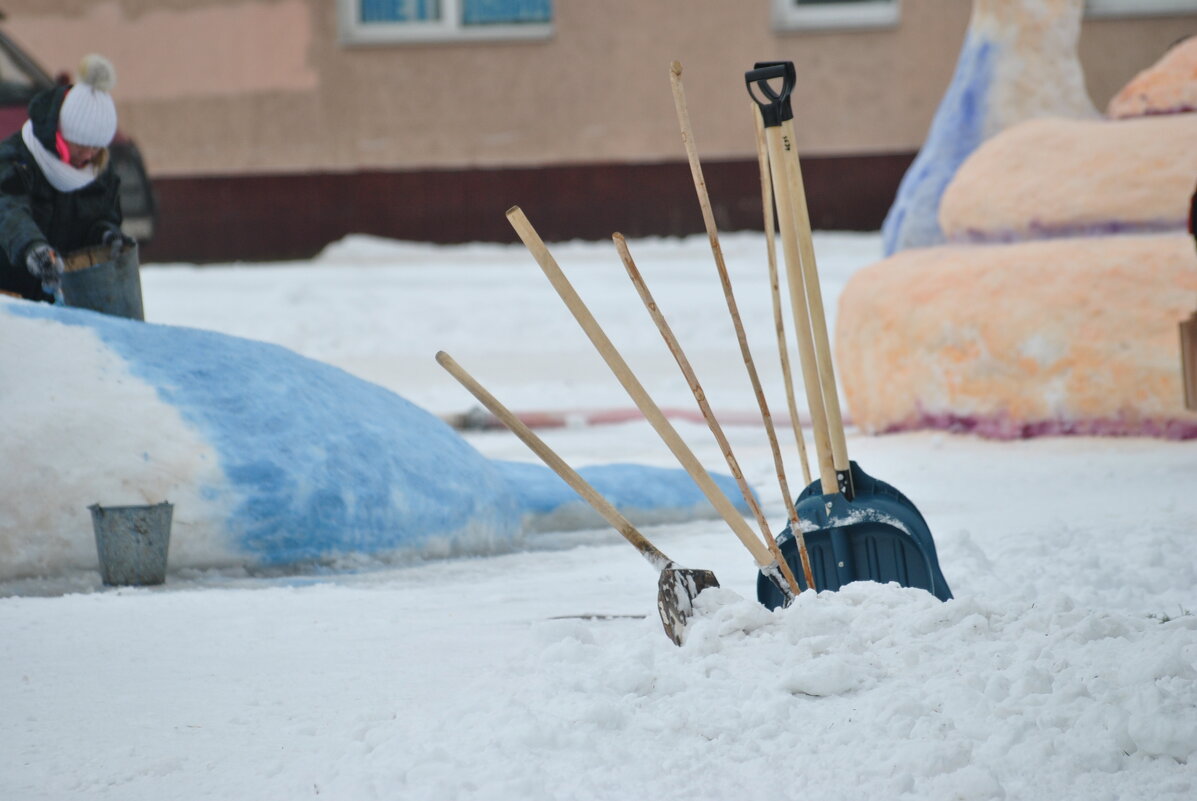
(1167, 87)
(1052, 177)
(1065, 336)
(1055, 307)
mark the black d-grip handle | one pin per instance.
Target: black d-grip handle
(775, 106)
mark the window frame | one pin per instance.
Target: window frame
(354, 32)
(1138, 8)
(832, 15)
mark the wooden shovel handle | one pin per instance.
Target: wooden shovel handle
(787, 373)
(784, 190)
(810, 276)
(634, 388)
(558, 465)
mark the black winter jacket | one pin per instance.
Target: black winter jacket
(33, 211)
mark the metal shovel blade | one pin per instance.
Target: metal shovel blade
(879, 535)
(676, 591)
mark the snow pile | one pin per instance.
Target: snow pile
(954, 700)
(1057, 336)
(269, 458)
(1062, 671)
(1058, 311)
(1056, 178)
(1019, 61)
(876, 691)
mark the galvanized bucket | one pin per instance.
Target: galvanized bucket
(94, 280)
(132, 542)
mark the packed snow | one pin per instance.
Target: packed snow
(1019, 61)
(270, 459)
(1064, 668)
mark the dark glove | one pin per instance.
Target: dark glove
(46, 265)
(117, 242)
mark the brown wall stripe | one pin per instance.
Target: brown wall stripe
(270, 217)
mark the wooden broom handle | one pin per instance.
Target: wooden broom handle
(558, 465)
(635, 389)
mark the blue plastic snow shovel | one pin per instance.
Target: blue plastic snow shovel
(855, 527)
(878, 535)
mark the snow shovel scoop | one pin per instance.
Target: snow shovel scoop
(677, 586)
(857, 528)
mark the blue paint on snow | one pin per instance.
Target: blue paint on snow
(957, 130)
(627, 486)
(322, 463)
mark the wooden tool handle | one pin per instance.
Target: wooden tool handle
(708, 218)
(634, 388)
(708, 413)
(818, 320)
(1188, 360)
(783, 353)
(783, 192)
(558, 465)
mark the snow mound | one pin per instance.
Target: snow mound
(955, 700)
(270, 458)
(1018, 62)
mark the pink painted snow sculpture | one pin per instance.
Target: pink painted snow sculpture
(1055, 177)
(1068, 336)
(1167, 87)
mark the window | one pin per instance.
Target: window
(391, 21)
(792, 15)
(1136, 8)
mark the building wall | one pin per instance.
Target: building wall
(223, 94)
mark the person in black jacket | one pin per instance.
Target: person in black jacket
(58, 192)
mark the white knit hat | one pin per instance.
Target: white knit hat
(88, 115)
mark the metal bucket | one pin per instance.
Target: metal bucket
(132, 542)
(93, 280)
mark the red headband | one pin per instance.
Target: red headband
(60, 145)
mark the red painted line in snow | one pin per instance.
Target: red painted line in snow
(478, 419)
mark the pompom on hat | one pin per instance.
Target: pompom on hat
(88, 115)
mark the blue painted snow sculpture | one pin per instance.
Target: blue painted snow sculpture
(1019, 61)
(270, 458)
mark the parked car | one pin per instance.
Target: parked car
(20, 79)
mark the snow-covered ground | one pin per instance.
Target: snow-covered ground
(1065, 668)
